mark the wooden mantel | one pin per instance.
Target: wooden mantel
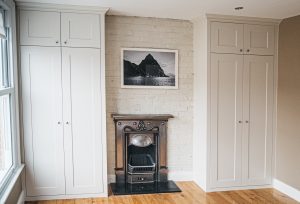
(118, 117)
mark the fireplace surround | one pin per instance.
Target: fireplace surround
(141, 154)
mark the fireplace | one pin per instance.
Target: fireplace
(141, 154)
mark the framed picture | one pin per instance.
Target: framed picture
(149, 68)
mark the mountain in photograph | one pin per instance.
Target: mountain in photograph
(131, 69)
(148, 67)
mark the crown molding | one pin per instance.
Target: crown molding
(242, 19)
(61, 7)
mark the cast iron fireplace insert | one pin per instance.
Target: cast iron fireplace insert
(141, 155)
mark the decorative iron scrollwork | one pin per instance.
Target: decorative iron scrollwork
(141, 126)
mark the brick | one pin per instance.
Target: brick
(123, 32)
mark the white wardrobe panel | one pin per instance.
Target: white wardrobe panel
(226, 117)
(80, 30)
(258, 117)
(82, 115)
(259, 39)
(39, 28)
(42, 120)
(227, 38)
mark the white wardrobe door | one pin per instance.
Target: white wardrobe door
(226, 117)
(258, 114)
(227, 38)
(42, 120)
(82, 116)
(259, 39)
(39, 28)
(80, 30)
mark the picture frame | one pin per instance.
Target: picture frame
(149, 68)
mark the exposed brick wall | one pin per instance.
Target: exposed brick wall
(124, 31)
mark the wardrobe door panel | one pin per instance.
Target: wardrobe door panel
(259, 39)
(80, 30)
(82, 114)
(226, 117)
(258, 117)
(39, 28)
(227, 38)
(42, 120)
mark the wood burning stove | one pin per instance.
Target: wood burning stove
(141, 157)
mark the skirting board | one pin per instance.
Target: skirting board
(58, 197)
(286, 189)
(21, 198)
(173, 175)
(237, 188)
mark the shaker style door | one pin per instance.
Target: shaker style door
(227, 38)
(82, 114)
(259, 39)
(80, 30)
(226, 119)
(42, 120)
(39, 28)
(258, 119)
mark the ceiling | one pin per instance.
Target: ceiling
(190, 9)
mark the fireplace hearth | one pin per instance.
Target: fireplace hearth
(141, 155)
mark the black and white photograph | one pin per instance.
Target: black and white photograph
(149, 68)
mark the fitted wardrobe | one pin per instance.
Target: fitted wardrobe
(234, 136)
(63, 100)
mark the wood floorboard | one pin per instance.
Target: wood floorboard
(191, 194)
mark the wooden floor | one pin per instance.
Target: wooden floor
(191, 194)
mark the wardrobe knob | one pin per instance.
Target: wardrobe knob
(247, 121)
(240, 121)
(57, 42)
(65, 42)
(241, 50)
(248, 50)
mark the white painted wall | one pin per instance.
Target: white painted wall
(124, 31)
(200, 102)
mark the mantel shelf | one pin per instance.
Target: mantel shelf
(118, 117)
